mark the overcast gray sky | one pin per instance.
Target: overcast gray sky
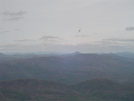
(66, 25)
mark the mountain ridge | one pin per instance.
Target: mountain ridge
(70, 68)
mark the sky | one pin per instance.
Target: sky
(66, 26)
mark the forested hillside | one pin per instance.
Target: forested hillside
(43, 90)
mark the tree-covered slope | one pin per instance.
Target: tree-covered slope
(39, 90)
(43, 90)
(105, 89)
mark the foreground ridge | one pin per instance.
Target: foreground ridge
(44, 90)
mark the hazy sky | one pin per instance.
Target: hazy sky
(66, 25)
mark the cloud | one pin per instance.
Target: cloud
(85, 47)
(2, 32)
(20, 13)
(9, 46)
(49, 38)
(12, 16)
(24, 40)
(81, 36)
(129, 28)
(119, 40)
(114, 43)
(17, 29)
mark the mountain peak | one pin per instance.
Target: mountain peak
(1, 54)
(77, 52)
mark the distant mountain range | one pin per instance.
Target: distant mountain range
(126, 54)
(69, 68)
(1, 54)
